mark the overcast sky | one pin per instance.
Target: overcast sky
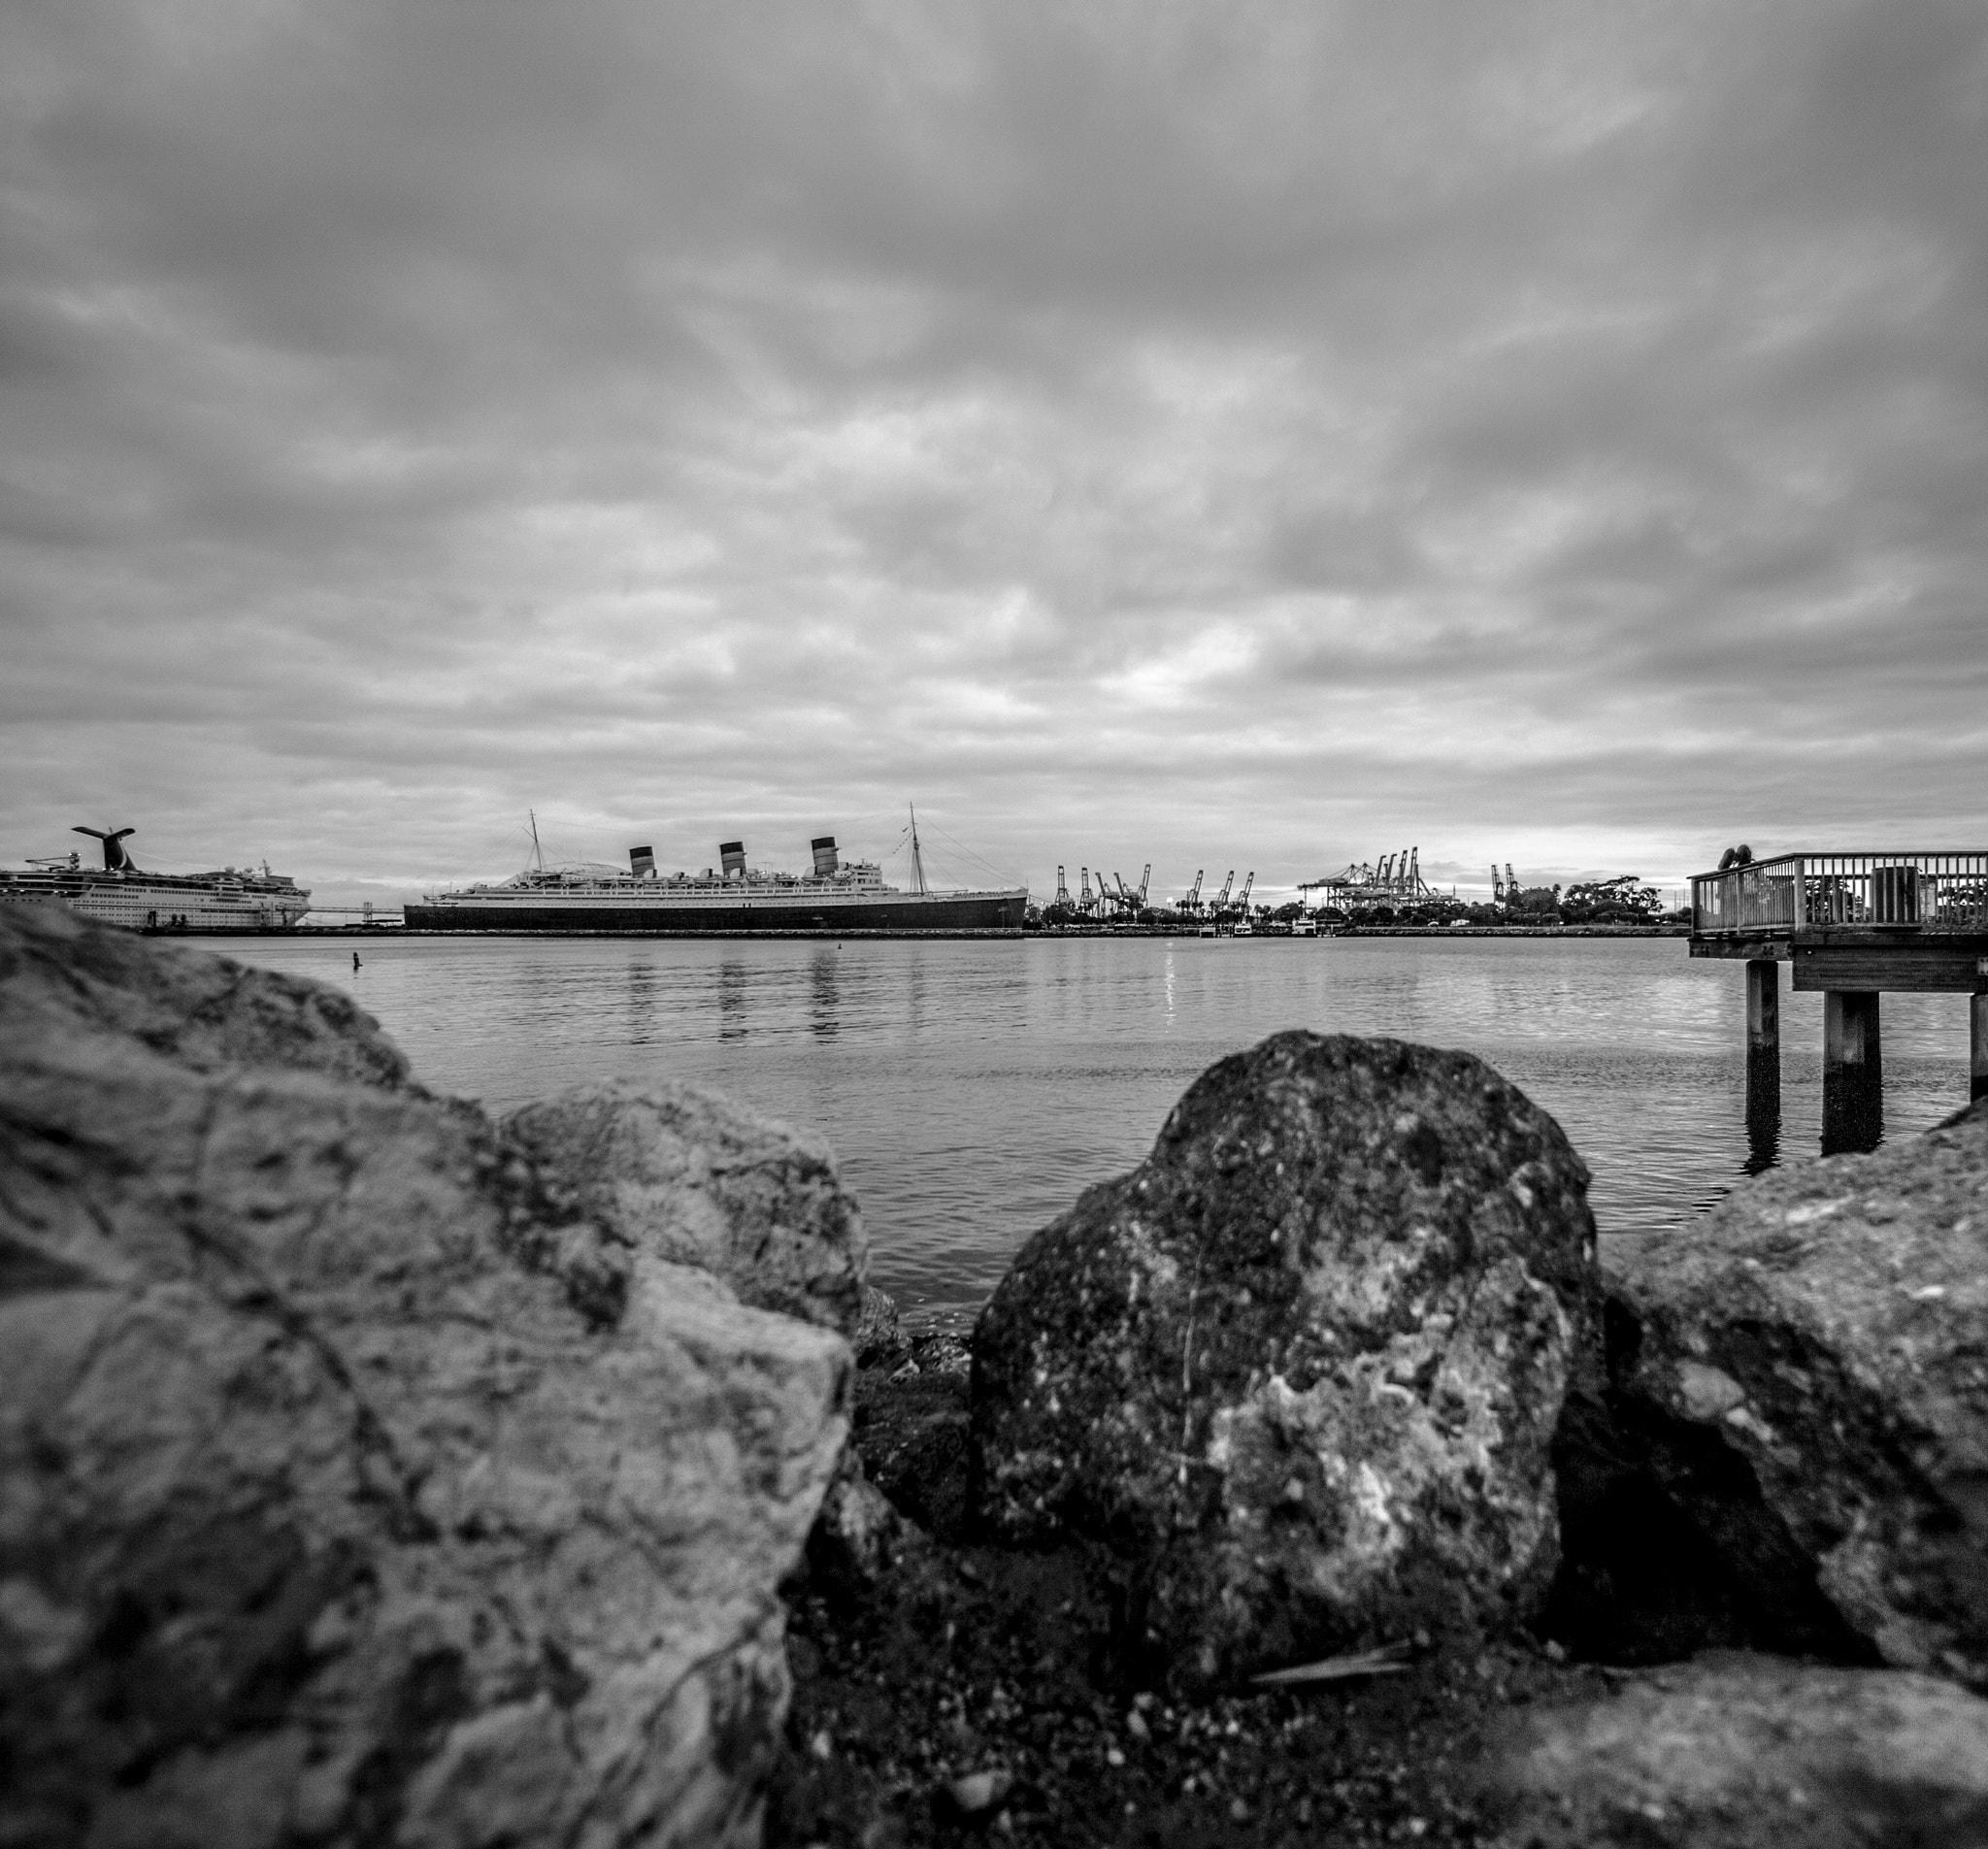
(1212, 435)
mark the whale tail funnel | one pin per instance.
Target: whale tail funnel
(116, 859)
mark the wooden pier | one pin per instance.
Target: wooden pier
(1853, 926)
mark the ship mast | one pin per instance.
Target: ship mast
(917, 865)
(538, 859)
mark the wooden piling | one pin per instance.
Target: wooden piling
(1852, 1072)
(1764, 1009)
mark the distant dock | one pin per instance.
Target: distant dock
(1851, 926)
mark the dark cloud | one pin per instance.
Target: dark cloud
(1273, 434)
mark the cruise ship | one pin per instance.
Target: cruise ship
(121, 893)
(835, 899)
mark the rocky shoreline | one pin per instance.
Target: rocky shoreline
(376, 1471)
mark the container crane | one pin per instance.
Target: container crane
(1221, 904)
(1243, 899)
(1062, 891)
(1192, 903)
(1146, 879)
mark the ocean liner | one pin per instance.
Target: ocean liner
(731, 899)
(121, 893)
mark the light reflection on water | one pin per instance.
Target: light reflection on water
(972, 1089)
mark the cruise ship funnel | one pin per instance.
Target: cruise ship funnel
(824, 855)
(642, 862)
(732, 857)
(116, 859)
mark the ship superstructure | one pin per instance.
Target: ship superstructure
(832, 898)
(122, 893)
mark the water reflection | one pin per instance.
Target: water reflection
(1852, 1108)
(642, 1003)
(826, 1016)
(1762, 1109)
(731, 999)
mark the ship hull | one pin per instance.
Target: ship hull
(905, 914)
(141, 904)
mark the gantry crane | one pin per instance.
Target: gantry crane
(1192, 903)
(1243, 899)
(1221, 903)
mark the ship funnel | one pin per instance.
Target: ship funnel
(116, 859)
(642, 862)
(824, 855)
(732, 857)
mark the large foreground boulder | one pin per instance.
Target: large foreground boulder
(687, 1173)
(1300, 1369)
(63, 976)
(1746, 1752)
(1804, 1375)
(351, 1490)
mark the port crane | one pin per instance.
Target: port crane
(1062, 890)
(1243, 898)
(1221, 903)
(1192, 903)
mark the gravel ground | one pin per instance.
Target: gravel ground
(978, 1664)
(963, 1693)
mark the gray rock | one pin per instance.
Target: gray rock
(1824, 1331)
(855, 1533)
(879, 1340)
(1302, 1367)
(1745, 1752)
(684, 1172)
(347, 1495)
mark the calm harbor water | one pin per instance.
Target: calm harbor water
(972, 1088)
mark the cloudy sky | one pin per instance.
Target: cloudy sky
(1208, 434)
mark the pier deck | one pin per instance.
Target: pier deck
(1851, 925)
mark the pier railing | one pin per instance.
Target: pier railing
(1805, 892)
